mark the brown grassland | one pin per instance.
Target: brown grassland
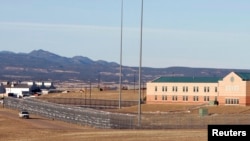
(37, 128)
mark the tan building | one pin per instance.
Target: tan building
(233, 89)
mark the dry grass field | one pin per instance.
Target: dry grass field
(95, 94)
(37, 128)
(148, 108)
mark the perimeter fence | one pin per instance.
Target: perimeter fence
(104, 119)
(186, 120)
(72, 114)
(91, 103)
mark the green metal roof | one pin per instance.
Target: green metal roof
(243, 75)
(188, 79)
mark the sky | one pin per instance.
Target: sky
(187, 33)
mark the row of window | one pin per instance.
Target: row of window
(184, 98)
(196, 98)
(185, 89)
(232, 101)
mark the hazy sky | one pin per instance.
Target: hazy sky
(190, 33)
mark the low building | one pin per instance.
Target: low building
(233, 89)
(21, 89)
(16, 89)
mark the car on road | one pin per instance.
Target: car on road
(24, 114)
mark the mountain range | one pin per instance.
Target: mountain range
(41, 65)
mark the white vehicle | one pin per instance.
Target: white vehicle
(24, 114)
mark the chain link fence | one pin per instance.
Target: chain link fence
(91, 103)
(190, 121)
(72, 114)
(103, 119)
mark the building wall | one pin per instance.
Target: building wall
(17, 91)
(232, 100)
(247, 93)
(188, 93)
(231, 90)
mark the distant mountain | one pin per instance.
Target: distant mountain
(40, 65)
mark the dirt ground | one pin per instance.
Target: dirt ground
(37, 128)
(147, 108)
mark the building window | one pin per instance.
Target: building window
(232, 101)
(166, 88)
(206, 89)
(196, 98)
(185, 89)
(174, 88)
(196, 89)
(215, 89)
(155, 88)
(235, 101)
(164, 97)
(155, 97)
(174, 98)
(206, 98)
(185, 98)
(163, 88)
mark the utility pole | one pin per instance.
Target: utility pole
(85, 95)
(90, 92)
(134, 82)
(139, 97)
(120, 87)
(99, 81)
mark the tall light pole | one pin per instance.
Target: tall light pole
(134, 82)
(90, 91)
(120, 87)
(139, 100)
(85, 95)
(98, 81)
